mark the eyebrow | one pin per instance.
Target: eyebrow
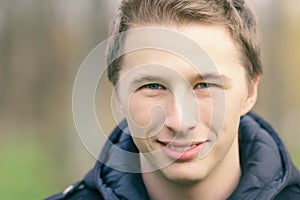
(213, 76)
(146, 78)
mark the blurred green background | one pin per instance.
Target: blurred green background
(42, 44)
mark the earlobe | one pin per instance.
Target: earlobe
(252, 96)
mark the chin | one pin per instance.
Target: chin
(183, 174)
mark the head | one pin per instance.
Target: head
(172, 111)
(234, 15)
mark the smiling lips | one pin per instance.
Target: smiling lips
(182, 152)
(181, 149)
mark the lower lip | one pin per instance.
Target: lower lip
(182, 156)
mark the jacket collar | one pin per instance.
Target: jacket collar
(266, 167)
(262, 159)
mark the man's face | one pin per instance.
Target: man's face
(183, 119)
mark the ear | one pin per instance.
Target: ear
(252, 96)
(116, 102)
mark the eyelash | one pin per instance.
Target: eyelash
(203, 85)
(157, 86)
(154, 86)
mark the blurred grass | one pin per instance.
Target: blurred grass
(294, 150)
(27, 170)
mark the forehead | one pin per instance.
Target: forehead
(214, 40)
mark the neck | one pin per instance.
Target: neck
(219, 184)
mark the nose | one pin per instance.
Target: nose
(182, 113)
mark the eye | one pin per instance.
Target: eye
(203, 85)
(154, 86)
(152, 90)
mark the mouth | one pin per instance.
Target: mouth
(181, 151)
(181, 148)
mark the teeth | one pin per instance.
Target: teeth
(181, 149)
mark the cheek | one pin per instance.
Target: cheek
(145, 116)
(138, 111)
(235, 103)
(206, 109)
(212, 111)
(138, 118)
(145, 111)
(234, 106)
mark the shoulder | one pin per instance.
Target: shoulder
(291, 192)
(77, 191)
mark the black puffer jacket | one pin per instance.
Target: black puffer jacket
(267, 170)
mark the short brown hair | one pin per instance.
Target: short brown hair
(235, 15)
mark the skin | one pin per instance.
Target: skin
(165, 102)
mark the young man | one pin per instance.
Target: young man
(186, 74)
